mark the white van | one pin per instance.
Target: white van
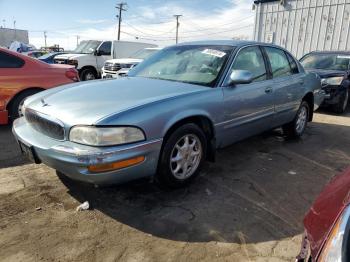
(90, 55)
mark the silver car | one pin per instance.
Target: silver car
(170, 115)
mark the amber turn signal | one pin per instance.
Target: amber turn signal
(116, 165)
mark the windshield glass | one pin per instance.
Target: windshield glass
(143, 53)
(87, 47)
(326, 61)
(194, 64)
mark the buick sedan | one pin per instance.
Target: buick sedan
(170, 114)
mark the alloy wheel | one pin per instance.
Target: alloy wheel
(301, 120)
(186, 156)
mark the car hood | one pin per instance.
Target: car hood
(69, 56)
(326, 73)
(125, 61)
(324, 213)
(86, 103)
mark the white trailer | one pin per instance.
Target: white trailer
(302, 26)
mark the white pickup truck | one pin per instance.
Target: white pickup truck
(116, 68)
(90, 56)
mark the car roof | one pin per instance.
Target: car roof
(236, 43)
(330, 52)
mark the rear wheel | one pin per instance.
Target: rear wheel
(296, 128)
(15, 107)
(343, 103)
(88, 74)
(182, 156)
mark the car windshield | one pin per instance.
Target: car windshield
(326, 61)
(143, 53)
(48, 55)
(87, 47)
(194, 64)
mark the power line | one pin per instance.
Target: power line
(120, 6)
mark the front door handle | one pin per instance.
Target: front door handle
(268, 90)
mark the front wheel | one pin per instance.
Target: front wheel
(88, 74)
(182, 156)
(296, 128)
(343, 103)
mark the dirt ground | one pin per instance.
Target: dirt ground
(248, 206)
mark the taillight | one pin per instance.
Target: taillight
(71, 73)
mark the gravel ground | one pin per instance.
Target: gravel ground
(248, 206)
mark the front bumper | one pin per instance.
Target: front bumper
(333, 94)
(73, 159)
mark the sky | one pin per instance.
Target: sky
(150, 21)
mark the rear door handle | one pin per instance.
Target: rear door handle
(301, 82)
(268, 90)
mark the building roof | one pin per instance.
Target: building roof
(264, 1)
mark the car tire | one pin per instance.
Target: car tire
(340, 108)
(88, 74)
(296, 128)
(15, 107)
(176, 156)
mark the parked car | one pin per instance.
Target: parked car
(34, 54)
(334, 69)
(116, 68)
(22, 76)
(49, 57)
(327, 224)
(90, 56)
(171, 114)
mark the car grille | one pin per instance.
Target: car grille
(116, 66)
(45, 126)
(61, 61)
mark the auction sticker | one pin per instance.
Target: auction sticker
(213, 52)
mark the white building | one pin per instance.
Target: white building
(302, 26)
(7, 36)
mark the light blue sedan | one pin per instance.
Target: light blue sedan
(170, 114)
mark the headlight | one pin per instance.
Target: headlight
(334, 248)
(105, 136)
(333, 81)
(73, 62)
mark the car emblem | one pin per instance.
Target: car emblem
(43, 102)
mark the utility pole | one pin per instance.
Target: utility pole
(177, 27)
(121, 8)
(45, 36)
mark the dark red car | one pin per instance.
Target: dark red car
(22, 76)
(327, 225)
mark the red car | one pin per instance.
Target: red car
(22, 76)
(327, 225)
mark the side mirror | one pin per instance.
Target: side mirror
(97, 52)
(240, 77)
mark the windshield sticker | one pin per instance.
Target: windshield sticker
(343, 57)
(213, 52)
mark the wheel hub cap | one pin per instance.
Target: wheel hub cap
(186, 156)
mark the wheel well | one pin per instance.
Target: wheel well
(206, 125)
(309, 98)
(21, 92)
(88, 67)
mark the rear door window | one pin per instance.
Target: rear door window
(280, 65)
(10, 61)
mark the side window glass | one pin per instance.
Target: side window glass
(293, 64)
(10, 61)
(105, 48)
(279, 63)
(252, 60)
